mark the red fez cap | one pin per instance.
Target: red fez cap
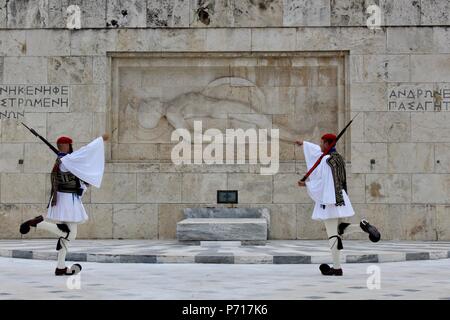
(330, 137)
(63, 140)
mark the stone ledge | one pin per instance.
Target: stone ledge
(275, 252)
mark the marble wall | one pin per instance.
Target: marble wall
(397, 77)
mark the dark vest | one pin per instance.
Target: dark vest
(337, 164)
(67, 182)
(63, 182)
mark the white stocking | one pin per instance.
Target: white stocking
(331, 227)
(53, 228)
(353, 228)
(65, 245)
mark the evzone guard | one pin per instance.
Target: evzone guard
(326, 184)
(73, 172)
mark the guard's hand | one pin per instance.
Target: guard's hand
(105, 137)
(301, 183)
(299, 142)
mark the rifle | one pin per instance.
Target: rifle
(43, 139)
(327, 150)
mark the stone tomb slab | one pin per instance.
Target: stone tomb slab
(208, 229)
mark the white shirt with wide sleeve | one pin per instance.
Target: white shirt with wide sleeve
(86, 163)
(320, 186)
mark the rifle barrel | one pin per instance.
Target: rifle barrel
(42, 138)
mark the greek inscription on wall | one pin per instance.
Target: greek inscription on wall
(419, 98)
(16, 100)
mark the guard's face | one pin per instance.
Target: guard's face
(323, 145)
(64, 147)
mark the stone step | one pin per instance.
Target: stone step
(213, 229)
(249, 213)
(220, 244)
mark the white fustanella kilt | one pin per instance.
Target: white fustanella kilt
(68, 208)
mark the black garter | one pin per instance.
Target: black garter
(339, 240)
(64, 228)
